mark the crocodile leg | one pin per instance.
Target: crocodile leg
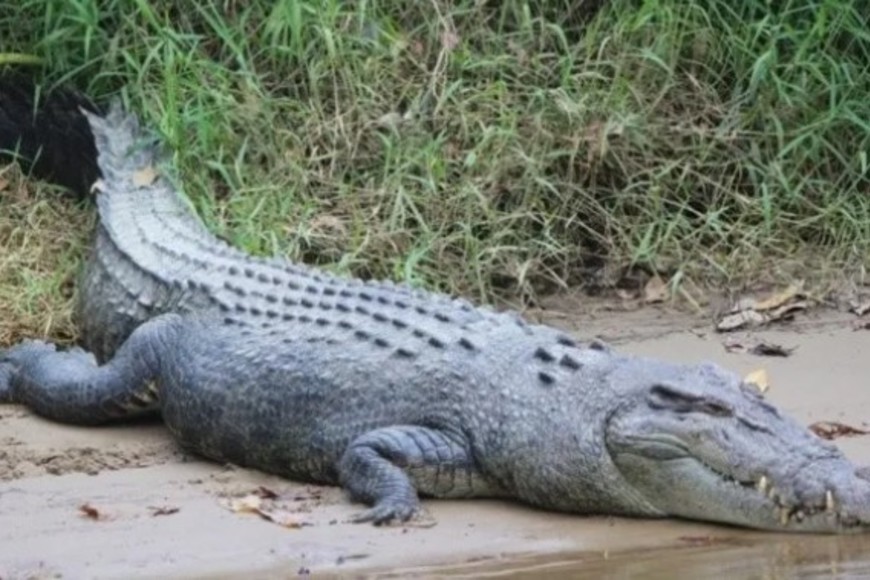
(388, 467)
(69, 386)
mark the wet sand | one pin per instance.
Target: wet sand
(134, 478)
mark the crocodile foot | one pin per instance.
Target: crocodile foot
(16, 357)
(388, 511)
(24, 364)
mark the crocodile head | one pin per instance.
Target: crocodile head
(696, 442)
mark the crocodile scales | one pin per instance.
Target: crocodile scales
(395, 393)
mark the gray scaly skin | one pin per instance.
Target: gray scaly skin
(395, 393)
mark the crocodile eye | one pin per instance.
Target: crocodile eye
(716, 408)
(679, 401)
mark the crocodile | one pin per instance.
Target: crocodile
(395, 393)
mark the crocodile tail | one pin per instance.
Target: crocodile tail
(136, 181)
(47, 133)
(124, 149)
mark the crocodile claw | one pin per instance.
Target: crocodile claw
(387, 512)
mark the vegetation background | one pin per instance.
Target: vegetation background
(494, 149)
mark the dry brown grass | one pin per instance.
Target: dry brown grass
(42, 238)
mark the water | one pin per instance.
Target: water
(755, 556)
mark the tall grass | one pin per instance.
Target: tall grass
(495, 148)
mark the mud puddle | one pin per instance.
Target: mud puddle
(158, 512)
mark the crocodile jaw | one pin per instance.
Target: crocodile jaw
(689, 489)
(698, 444)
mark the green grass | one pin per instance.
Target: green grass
(496, 149)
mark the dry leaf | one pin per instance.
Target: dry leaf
(858, 308)
(244, 505)
(145, 176)
(777, 300)
(98, 186)
(786, 310)
(284, 518)
(769, 349)
(90, 512)
(754, 317)
(733, 345)
(740, 319)
(163, 510)
(655, 291)
(758, 378)
(626, 295)
(265, 493)
(262, 503)
(833, 430)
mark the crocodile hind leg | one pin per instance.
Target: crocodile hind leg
(388, 467)
(70, 387)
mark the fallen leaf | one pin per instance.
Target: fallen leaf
(626, 295)
(284, 518)
(733, 345)
(145, 176)
(777, 300)
(786, 310)
(858, 308)
(266, 493)
(758, 378)
(90, 512)
(757, 317)
(99, 186)
(163, 510)
(244, 505)
(262, 503)
(740, 319)
(834, 430)
(770, 349)
(655, 291)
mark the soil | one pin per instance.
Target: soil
(124, 501)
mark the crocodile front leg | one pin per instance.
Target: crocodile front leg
(388, 467)
(69, 386)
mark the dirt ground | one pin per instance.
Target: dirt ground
(123, 501)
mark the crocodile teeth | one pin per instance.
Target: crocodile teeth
(763, 484)
(830, 506)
